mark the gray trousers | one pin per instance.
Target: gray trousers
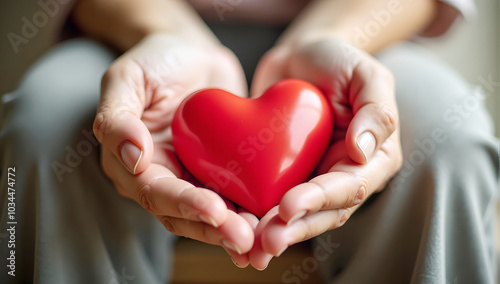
(434, 223)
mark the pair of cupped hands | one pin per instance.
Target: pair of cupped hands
(139, 96)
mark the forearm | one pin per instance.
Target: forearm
(122, 23)
(367, 24)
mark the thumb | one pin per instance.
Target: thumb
(375, 112)
(118, 125)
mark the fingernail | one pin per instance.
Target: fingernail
(366, 143)
(231, 246)
(262, 269)
(209, 220)
(281, 251)
(297, 217)
(131, 156)
(235, 263)
(345, 215)
(360, 195)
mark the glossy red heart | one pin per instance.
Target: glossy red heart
(252, 151)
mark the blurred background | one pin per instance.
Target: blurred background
(473, 48)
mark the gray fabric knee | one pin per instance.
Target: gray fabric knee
(434, 222)
(73, 226)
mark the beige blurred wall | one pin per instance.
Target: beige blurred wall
(473, 48)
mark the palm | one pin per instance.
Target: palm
(361, 94)
(171, 72)
(140, 92)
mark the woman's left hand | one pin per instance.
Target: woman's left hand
(364, 154)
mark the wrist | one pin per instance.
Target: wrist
(161, 41)
(199, 35)
(124, 23)
(366, 25)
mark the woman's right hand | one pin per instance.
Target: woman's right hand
(139, 95)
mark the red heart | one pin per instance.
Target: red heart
(252, 151)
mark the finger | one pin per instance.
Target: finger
(118, 124)
(243, 260)
(252, 220)
(239, 260)
(260, 259)
(325, 192)
(161, 193)
(375, 113)
(278, 236)
(235, 234)
(347, 184)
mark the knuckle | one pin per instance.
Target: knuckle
(143, 193)
(359, 196)
(102, 123)
(325, 200)
(388, 119)
(360, 182)
(387, 112)
(167, 222)
(343, 218)
(131, 75)
(205, 232)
